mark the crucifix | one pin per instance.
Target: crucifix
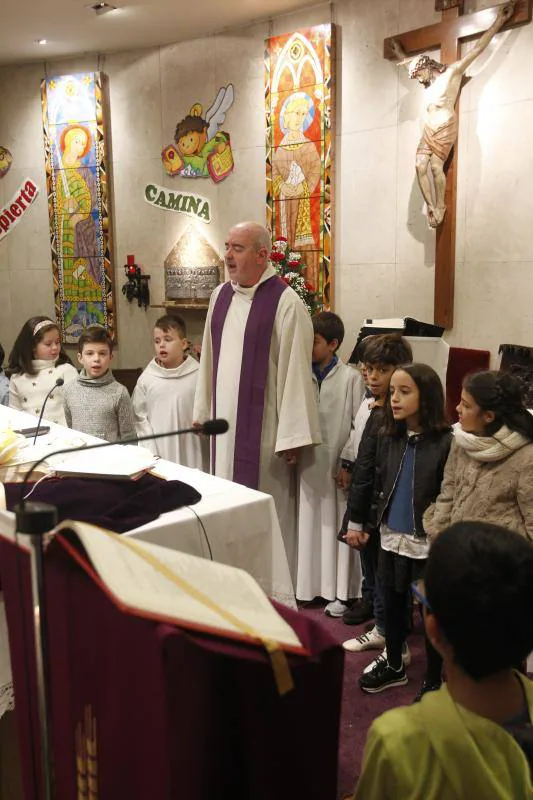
(443, 82)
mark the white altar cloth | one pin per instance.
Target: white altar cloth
(241, 524)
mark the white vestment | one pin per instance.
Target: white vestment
(290, 416)
(326, 567)
(163, 401)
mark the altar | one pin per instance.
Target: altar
(201, 693)
(231, 524)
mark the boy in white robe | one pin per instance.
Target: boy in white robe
(325, 569)
(164, 396)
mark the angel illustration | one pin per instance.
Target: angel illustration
(5, 161)
(200, 148)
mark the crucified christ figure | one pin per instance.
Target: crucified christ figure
(443, 84)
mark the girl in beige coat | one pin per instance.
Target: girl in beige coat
(489, 472)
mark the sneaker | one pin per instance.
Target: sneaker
(336, 608)
(381, 659)
(382, 677)
(425, 688)
(366, 641)
(406, 658)
(361, 611)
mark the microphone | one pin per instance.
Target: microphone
(59, 382)
(212, 427)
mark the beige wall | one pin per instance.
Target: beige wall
(384, 250)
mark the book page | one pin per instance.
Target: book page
(118, 461)
(138, 585)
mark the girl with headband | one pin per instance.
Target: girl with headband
(36, 361)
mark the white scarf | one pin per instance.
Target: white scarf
(489, 448)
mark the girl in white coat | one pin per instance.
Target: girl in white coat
(36, 361)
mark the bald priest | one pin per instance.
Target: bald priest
(255, 371)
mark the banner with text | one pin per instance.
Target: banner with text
(13, 211)
(184, 203)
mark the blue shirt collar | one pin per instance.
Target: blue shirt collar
(320, 375)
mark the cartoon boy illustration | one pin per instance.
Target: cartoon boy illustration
(5, 161)
(198, 139)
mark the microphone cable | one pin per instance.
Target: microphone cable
(203, 529)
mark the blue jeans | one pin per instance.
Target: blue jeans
(371, 590)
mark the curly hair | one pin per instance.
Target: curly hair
(190, 124)
(503, 394)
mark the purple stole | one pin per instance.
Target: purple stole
(253, 378)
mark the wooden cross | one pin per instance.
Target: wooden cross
(448, 35)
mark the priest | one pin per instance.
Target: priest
(255, 371)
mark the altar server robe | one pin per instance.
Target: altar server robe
(327, 568)
(163, 401)
(290, 415)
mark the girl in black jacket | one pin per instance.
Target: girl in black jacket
(412, 450)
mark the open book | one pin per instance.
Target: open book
(165, 585)
(169, 586)
(119, 461)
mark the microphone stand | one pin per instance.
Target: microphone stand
(35, 519)
(59, 382)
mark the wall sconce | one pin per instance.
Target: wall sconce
(136, 287)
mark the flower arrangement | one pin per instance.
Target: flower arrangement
(289, 266)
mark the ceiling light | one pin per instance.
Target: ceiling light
(102, 8)
(42, 41)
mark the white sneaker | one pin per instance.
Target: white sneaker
(366, 641)
(406, 658)
(335, 609)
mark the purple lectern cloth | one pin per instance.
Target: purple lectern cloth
(117, 505)
(16, 586)
(182, 714)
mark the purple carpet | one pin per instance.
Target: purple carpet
(360, 709)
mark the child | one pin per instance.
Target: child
(489, 474)
(411, 453)
(4, 381)
(164, 395)
(472, 738)
(352, 563)
(383, 354)
(321, 560)
(36, 361)
(95, 403)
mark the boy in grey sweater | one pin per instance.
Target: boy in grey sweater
(95, 403)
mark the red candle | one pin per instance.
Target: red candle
(131, 260)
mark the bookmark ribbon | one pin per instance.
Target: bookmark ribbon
(278, 658)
